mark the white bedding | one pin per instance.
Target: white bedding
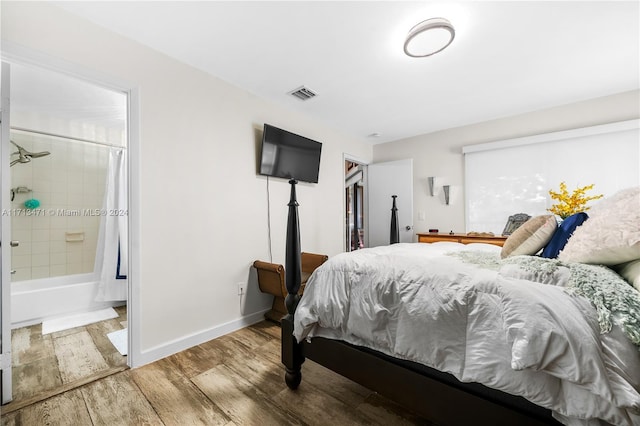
(501, 325)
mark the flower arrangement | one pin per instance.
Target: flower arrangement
(573, 203)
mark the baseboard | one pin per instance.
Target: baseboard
(177, 345)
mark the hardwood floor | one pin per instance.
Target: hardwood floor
(44, 365)
(236, 379)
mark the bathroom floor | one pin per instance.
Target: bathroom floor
(44, 365)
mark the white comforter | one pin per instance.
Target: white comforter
(493, 326)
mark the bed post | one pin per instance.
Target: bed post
(291, 350)
(394, 236)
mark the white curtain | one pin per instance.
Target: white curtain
(111, 266)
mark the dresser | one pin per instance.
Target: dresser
(461, 238)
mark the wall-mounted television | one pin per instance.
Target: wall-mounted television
(289, 156)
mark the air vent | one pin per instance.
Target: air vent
(303, 93)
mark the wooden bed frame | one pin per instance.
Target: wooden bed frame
(439, 397)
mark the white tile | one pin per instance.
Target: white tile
(21, 222)
(40, 260)
(40, 235)
(74, 257)
(41, 247)
(21, 261)
(58, 222)
(23, 248)
(21, 274)
(59, 236)
(74, 268)
(41, 222)
(58, 258)
(22, 235)
(87, 267)
(40, 272)
(58, 270)
(58, 198)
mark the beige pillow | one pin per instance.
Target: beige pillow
(630, 271)
(611, 235)
(532, 236)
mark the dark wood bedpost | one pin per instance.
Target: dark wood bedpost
(291, 350)
(394, 236)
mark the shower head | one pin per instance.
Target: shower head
(25, 156)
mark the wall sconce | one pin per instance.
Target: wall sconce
(431, 180)
(445, 189)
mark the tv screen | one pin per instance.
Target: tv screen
(290, 156)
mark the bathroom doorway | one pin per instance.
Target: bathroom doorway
(355, 205)
(66, 208)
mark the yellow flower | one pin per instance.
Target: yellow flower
(573, 203)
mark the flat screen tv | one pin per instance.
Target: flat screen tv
(290, 156)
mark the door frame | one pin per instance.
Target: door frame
(6, 384)
(365, 204)
(16, 54)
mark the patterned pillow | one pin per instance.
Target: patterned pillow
(533, 235)
(562, 234)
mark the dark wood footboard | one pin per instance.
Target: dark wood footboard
(438, 397)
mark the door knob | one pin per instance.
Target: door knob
(13, 271)
(14, 243)
(408, 228)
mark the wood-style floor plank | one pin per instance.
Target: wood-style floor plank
(174, 398)
(65, 409)
(234, 380)
(98, 332)
(35, 377)
(29, 345)
(78, 356)
(116, 400)
(240, 400)
(316, 407)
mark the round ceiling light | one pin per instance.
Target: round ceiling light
(429, 37)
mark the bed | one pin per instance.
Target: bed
(461, 335)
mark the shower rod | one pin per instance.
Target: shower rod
(22, 129)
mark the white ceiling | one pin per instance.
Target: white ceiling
(507, 58)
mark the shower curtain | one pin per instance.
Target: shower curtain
(111, 266)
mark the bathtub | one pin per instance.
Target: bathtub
(33, 301)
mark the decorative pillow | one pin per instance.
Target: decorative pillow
(562, 234)
(611, 235)
(530, 237)
(630, 271)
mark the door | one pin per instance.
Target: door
(384, 180)
(5, 240)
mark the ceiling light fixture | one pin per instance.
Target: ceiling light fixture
(429, 37)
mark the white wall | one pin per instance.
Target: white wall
(203, 208)
(439, 154)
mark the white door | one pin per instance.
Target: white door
(5, 239)
(384, 180)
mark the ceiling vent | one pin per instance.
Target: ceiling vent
(303, 93)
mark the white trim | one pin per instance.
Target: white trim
(14, 53)
(134, 301)
(6, 382)
(619, 126)
(189, 341)
(18, 54)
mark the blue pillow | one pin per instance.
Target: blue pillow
(562, 234)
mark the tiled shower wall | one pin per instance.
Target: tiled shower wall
(60, 236)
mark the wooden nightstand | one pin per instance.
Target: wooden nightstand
(461, 238)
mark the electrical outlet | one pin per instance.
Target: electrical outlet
(242, 288)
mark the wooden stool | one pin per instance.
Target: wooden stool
(271, 280)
